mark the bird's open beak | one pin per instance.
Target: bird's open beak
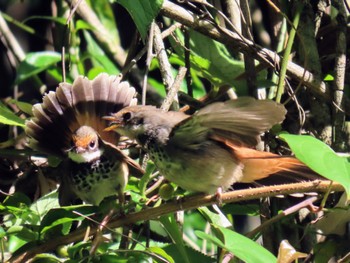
(111, 127)
(114, 123)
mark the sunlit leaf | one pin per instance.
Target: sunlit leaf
(328, 77)
(46, 258)
(35, 63)
(10, 118)
(240, 246)
(45, 203)
(161, 253)
(218, 218)
(320, 158)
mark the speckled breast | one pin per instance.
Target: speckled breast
(86, 175)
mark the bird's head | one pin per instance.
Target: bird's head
(85, 145)
(132, 121)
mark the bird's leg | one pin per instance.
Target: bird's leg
(218, 196)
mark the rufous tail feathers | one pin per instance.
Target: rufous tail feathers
(259, 165)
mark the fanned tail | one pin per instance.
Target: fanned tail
(84, 102)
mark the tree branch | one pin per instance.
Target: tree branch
(187, 203)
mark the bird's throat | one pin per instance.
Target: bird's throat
(85, 157)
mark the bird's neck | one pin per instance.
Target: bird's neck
(86, 157)
(156, 135)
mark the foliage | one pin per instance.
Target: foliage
(103, 35)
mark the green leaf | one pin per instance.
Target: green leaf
(160, 252)
(23, 106)
(10, 118)
(2, 233)
(35, 63)
(193, 255)
(81, 24)
(59, 20)
(56, 73)
(142, 12)
(241, 209)
(328, 77)
(215, 218)
(174, 232)
(146, 177)
(45, 203)
(45, 258)
(240, 246)
(211, 60)
(17, 200)
(320, 158)
(22, 232)
(65, 216)
(104, 11)
(98, 56)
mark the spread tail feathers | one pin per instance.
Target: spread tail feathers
(71, 106)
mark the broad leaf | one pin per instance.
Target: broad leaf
(35, 63)
(211, 60)
(10, 118)
(320, 158)
(174, 232)
(193, 255)
(142, 12)
(240, 246)
(98, 57)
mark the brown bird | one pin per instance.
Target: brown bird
(68, 124)
(211, 149)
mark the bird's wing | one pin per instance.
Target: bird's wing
(241, 120)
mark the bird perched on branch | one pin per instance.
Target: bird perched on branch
(68, 124)
(211, 149)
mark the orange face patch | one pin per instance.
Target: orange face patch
(82, 141)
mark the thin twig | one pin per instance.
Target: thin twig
(339, 136)
(173, 90)
(289, 211)
(143, 51)
(11, 41)
(148, 61)
(249, 62)
(164, 64)
(187, 51)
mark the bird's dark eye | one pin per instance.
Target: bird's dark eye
(92, 144)
(127, 116)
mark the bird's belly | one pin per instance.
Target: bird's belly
(203, 170)
(92, 183)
